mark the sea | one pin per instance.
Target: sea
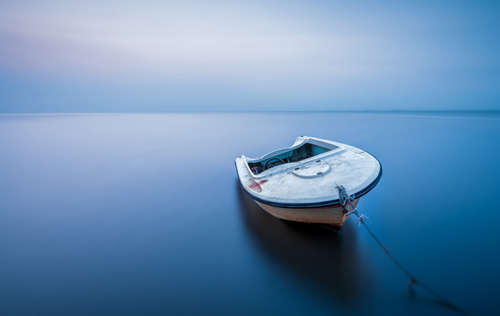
(142, 214)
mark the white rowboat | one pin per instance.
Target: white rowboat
(299, 183)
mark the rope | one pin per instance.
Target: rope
(347, 202)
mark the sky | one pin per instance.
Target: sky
(161, 56)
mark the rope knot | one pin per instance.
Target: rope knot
(362, 219)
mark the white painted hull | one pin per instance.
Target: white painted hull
(300, 183)
(330, 215)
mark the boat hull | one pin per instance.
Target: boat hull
(331, 215)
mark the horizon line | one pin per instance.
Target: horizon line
(257, 111)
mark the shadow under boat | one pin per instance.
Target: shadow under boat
(316, 254)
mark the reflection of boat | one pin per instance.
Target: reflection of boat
(299, 183)
(314, 254)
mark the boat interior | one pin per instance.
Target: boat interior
(306, 150)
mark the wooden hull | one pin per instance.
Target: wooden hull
(330, 215)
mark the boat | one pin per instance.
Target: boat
(301, 183)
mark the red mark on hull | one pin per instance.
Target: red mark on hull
(256, 185)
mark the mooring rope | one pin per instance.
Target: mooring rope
(347, 203)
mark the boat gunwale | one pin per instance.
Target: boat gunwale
(334, 202)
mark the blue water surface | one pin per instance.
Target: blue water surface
(126, 214)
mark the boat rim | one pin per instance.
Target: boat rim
(333, 202)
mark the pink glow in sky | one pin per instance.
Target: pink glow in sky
(237, 56)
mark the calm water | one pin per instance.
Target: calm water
(142, 214)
